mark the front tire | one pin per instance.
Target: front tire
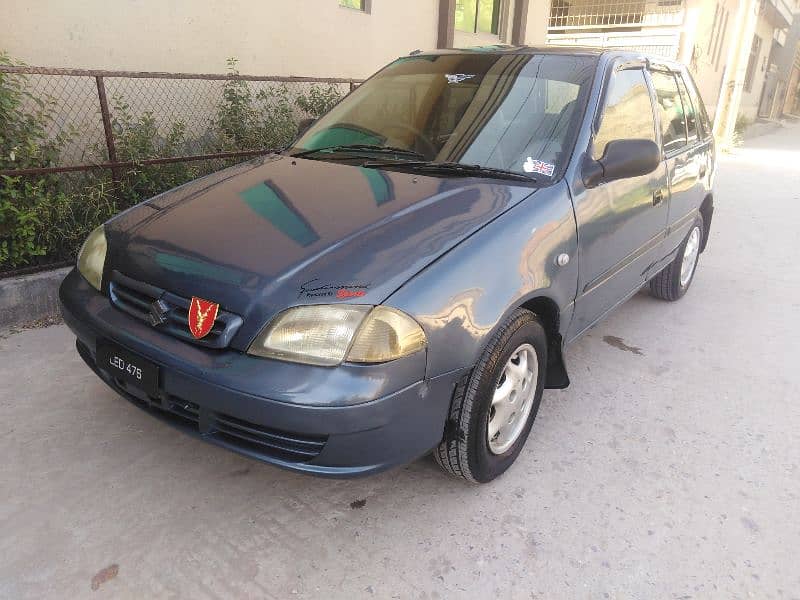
(493, 410)
(673, 282)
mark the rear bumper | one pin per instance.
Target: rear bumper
(210, 394)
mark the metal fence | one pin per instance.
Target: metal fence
(593, 14)
(116, 129)
(85, 102)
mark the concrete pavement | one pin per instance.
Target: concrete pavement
(669, 469)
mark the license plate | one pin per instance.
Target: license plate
(129, 367)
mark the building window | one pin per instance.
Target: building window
(362, 5)
(749, 75)
(478, 16)
(716, 40)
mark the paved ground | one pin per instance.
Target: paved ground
(670, 468)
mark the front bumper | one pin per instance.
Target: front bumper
(339, 422)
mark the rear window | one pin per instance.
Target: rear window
(671, 111)
(704, 125)
(689, 112)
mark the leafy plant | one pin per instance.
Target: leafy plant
(267, 119)
(320, 100)
(138, 138)
(236, 113)
(25, 120)
(70, 217)
(19, 222)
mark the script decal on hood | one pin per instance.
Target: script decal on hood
(315, 289)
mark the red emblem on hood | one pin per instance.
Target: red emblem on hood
(202, 314)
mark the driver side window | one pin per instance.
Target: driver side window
(628, 112)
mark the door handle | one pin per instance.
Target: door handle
(703, 170)
(658, 197)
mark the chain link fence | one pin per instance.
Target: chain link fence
(77, 146)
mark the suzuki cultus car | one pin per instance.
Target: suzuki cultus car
(406, 276)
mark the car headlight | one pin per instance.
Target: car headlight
(92, 257)
(328, 334)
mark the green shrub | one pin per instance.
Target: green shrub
(139, 138)
(320, 100)
(24, 122)
(268, 118)
(69, 218)
(19, 221)
(24, 143)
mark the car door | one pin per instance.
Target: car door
(621, 224)
(685, 152)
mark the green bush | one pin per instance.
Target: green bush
(139, 138)
(24, 143)
(268, 118)
(24, 123)
(69, 217)
(19, 221)
(320, 100)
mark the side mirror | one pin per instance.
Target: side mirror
(304, 126)
(622, 159)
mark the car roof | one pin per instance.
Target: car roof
(500, 49)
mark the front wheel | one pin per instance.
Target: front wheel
(673, 282)
(493, 410)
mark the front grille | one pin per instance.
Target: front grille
(137, 298)
(289, 446)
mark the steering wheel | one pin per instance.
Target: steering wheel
(429, 149)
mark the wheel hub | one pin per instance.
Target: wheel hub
(513, 399)
(690, 254)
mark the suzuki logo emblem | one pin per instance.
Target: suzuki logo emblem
(158, 312)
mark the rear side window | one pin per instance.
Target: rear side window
(628, 113)
(689, 111)
(703, 122)
(673, 125)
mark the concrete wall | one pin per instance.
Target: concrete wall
(298, 37)
(702, 51)
(536, 30)
(750, 99)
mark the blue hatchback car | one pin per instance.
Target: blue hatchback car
(405, 277)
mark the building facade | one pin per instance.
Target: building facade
(317, 38)
(741, 52)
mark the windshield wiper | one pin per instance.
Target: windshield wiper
(371, 148)
(455, 169)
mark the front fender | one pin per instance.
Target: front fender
(462, 298)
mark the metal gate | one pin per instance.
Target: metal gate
(651, 26)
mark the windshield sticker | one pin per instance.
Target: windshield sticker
(341, 291)
(458, 77)
(538, 166)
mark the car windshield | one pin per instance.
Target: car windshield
(515, 112)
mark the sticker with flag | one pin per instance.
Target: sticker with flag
(538, 166)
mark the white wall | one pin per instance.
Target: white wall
(269, 37)
(536, 30)
(750, 99)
